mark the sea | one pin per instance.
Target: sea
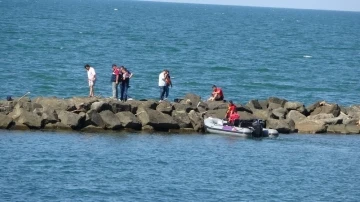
(251, 53)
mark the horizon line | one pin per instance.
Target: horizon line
(276, 7)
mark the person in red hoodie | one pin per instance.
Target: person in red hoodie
(217, 94)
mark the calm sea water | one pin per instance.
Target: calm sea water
(157, 167)
(252, 53)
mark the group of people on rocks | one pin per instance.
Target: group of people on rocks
(121, 77)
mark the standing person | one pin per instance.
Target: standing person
(115, 81)
(162, 84)
(217, 94)
(124, 83)
(91, 78)
(168, 83)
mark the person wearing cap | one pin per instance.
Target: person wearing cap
(91, 78)
(231, 109)
(115, 81)
(217, 94)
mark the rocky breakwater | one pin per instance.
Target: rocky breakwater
(94, 114)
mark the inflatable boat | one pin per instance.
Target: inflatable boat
(242, 128)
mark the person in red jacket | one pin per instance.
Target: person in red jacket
(231, 108)
(233, 117)
(217, 94)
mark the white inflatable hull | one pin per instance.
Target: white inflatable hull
(216, 126)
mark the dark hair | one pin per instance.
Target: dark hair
(114, 65)
(87, 65)
(214, 86)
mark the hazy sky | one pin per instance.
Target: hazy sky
(347, 5)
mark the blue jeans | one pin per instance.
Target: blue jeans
(115, 92)
(123, 91)
(163, 90)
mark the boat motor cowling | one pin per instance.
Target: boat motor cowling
(258, 128)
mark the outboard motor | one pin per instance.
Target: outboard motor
(258, 128)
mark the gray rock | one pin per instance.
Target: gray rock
(298, 106)
(30, 119)
(248, 116)
(182, 118)
(5, 122)
(48, 115)
(343, 129)
(129, 120)
(219, 113)
(165, 107)
(150, 104)
(279, 113)
(194, 99)
(100, 106)
(282, 126)
(214, 105)
(264, 104)
(95, 119)
(111, 120)
(197, 121)
(74, 121)
(311, 126)
(254, 104)
(276, 100)
(83, 102)
(55, 103)
(183, 107)
(156, 119)
(295, 116)
(273, 106)
(118, 106)
(327, 109)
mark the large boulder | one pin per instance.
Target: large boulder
(279, 113)
(83, 102)
(295, 106)
(93, 118)
(329, 119)
(343, 129)
(111, 120)
(327, 109)
(282, 126)
(5, 122)
(248, 116)
(72, 120)
(156, 119)
(310, 126)
(55, 103)
(197, 121)
(150, 104)
(128, 120)
(276, 100)
(295, 116)
(117, 106)
(260, 114)
(182, 118)
(165, 107)
(48, 115)
(214, 105)
(254, 104)
(28, 106)
(100, 106)
(30, 119)
(194, 99)
(219, 113)
(184, 107)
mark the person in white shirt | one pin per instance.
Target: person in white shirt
(162, 84)
(91, 78)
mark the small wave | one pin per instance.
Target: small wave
(115, 9)
(307, 56)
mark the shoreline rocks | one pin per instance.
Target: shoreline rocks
(185, 115)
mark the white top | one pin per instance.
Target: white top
(162, 79)
(91, 74)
